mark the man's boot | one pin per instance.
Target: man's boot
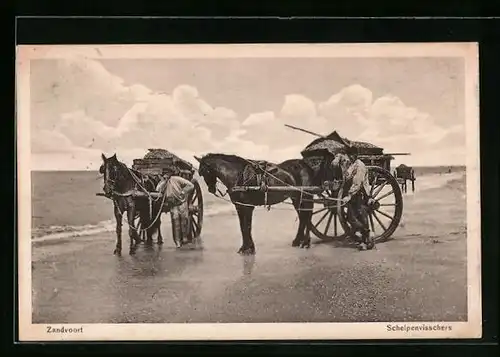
(368, 239)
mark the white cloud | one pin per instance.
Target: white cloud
(81, 109)
(347, 111)
(298, 107)
(45, 141)
(80, 104)
(80, 84)
(264, 118)
(85, 131)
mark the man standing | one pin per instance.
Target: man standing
(177, 191)
(356, 181)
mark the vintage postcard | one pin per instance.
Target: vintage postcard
(248, 192)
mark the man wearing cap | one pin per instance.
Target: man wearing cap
(355, 176)
(177, 190)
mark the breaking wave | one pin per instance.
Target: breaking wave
(67, 231)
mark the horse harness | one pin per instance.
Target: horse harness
(140, 183)
(259, 170)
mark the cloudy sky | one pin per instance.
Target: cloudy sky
(81, 107)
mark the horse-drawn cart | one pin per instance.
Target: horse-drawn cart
(158, 162)
(145, 174)
(329, 217)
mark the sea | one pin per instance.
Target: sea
(64, 203)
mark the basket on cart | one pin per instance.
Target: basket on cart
(329, 220)
(161, 162)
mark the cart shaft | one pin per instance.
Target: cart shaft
(134, 193)
(312, 189)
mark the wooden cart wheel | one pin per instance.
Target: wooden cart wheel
(195, 210)
(325, 222)
(385, 211)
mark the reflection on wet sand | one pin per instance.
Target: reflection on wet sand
(248, 264)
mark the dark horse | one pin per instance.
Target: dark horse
(119, 182)
(229, 169)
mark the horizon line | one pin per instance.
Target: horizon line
(94, 170)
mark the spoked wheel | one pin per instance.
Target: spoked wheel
(195, 210)
(384, 210)
(325, 221)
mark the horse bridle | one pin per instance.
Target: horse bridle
(209, 169)
(110, 182)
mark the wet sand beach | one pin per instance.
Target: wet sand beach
(420, 275)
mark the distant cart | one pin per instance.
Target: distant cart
(158, 162)
(404, 173)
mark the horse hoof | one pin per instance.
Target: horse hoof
(248, 251)
(295, 244)
(160, 243)
(117, 252)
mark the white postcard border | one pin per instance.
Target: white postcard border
(251, 331)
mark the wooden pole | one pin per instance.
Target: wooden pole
(315, 189)
(304, 130)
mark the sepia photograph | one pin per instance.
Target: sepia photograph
(248, 192)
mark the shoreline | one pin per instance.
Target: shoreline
(219, 208)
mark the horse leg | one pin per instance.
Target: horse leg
(251, 246)
(153, 226)
(245, 217)
(149, 236)
(134, 237)
(306, 216)
(241, 218)
(158, 229)
(300, 231)
(118, 218)
(148, 232)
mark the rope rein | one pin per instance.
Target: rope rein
(294, 188)
(160, 211)
(139, 183)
